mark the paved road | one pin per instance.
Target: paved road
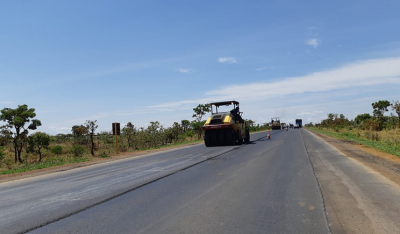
(267, 186)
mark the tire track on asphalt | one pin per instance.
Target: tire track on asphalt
(142, 185)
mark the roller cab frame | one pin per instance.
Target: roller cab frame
(225, 128)
(276, 123)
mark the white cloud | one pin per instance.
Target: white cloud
(180, 103)
(315, 42)
(364, 73)
(310, 113)
(226, 60)
(184, 70)
(7, 103)
(355, 75)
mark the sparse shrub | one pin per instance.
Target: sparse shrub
(336, 129)
(1, 153)
(372, 136)
(77, 150)
(104, 155)
(391, 122)
(123, 148)
(375, 136)
(57, 150)
(367, 135)
(372, 125)
(9, 163)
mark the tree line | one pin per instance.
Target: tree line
(83, 138)
(375, 122)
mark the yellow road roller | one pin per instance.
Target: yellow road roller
(225, 128)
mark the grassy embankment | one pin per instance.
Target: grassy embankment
(387, 141)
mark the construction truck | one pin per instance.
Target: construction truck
(275, 123)
(225, 128)
(299, 122)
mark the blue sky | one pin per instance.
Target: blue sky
(142, 61)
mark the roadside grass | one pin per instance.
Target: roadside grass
(52, 162)
(385, 141)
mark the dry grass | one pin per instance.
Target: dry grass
(387, 141)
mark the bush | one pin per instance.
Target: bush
(336, 129)
(372, 125)
(391, 122)
(1, 153)
(9, 163)
(57, 150)
(372, 136)
(77, 150)
(104, 155)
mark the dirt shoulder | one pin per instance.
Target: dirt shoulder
(386, 164)
(95, 160)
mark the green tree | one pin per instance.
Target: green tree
(251, 123)
(57, 150)
(153, 130)
(78, 130)
(362, 117)
(197, 127)
(331, 116)
(396, 107)
(380, 108)
(176, 130)
(310, 124)
(189, 134)
(79, 133)
(200, 111)
(5, 135)
(129, 131)
(91, 127)
(17, 119)
(185, 125)
(37, 141)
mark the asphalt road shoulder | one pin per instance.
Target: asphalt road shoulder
(93, 161)
(357, 198)
(386, 164)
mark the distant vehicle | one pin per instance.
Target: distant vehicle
(299, 122)
(296, 126)
(291, 125)
(275, 123)
(225, 128)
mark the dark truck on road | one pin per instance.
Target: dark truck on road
(299, 122)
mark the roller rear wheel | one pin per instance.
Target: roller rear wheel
(247, 139)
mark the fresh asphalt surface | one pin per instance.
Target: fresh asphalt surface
(266, 186)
